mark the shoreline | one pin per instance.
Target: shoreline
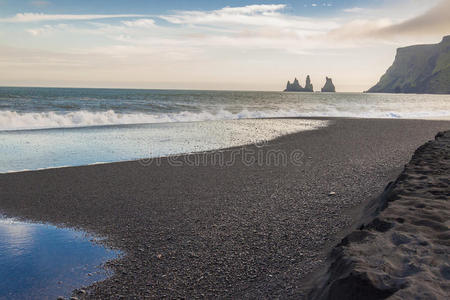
(330, 119)
(224, 231)
(307, 117)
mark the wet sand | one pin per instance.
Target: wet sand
(254, 230)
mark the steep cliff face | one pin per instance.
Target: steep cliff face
(422, 69)
(296, 87)
(329, 86)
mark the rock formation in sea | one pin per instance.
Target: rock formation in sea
(421, 69)
(329, 86)
(308, 85)
(296, 87)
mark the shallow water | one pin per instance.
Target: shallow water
(58, 147)
(41, 261)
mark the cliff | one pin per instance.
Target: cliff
(422, 69)
(296, 87)
(329, 86)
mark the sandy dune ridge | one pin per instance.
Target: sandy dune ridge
(403, 253)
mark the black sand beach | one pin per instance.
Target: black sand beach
(402, 251)
(234, 231)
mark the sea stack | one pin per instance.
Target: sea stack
(308, 85)
(296, 87)
(329, 86)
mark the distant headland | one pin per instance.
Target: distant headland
(296, 87)
(419, 69)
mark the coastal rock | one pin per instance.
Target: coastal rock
(329, 86)
(308, 85)
(296, 87)
(421, 69)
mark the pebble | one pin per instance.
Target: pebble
(166, 218)
(80, 292)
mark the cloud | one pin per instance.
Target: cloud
(359, 29)
(353, 10)
(40, 3)
(251, 15)
(435, 21)
(140, 23)
(246, 28)
(40, 31)
(48, 29)
(40, 17)
(252, 9)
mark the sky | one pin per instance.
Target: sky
(215, 45)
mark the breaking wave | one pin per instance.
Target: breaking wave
(11, 120)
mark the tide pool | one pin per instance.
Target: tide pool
(41, 261)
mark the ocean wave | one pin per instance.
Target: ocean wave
(11, 120)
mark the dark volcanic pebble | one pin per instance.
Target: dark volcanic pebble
(401, 253)
(213, 231)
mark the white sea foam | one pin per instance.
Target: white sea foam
(11, 120)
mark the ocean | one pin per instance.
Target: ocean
(56, 127)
